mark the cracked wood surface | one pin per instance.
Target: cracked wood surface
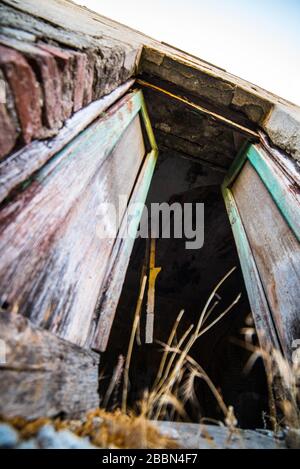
(56, 234)
(276, 252)
(44, 375)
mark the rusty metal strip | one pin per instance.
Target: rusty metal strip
(213, 115)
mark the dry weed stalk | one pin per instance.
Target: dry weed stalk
(283, 377)
(174, 383)
(124, 429)
(115, 381)
(176, 362)
(131, 342)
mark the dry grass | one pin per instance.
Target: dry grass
(136, 322)
(119, 430)
(283, 378)
(104, 429)
(174, 384)
(172, 389)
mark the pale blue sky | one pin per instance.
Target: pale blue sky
(258, 40)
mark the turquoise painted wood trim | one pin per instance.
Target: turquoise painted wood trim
(113, 285)
(145, 178)
(108, 130)
(146, 175)
(236, 166)
(140, 196)
(278, 188)
(259, 305)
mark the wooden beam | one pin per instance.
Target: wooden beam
(153, 273)
(44, 375)
(193, 159)
(213, 115)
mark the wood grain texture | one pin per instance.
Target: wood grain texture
(52, 250)
(262, 316)
(282, 185)
(276, 252)
(19, 166)
(44, 375)
(119, 260)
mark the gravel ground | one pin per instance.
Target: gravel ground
(46, 438)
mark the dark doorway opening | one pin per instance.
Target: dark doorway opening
(185, 282)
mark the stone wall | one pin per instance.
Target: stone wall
(57, 57)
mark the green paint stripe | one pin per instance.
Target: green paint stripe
(145, 179)
(236, 166)
(140, 196)
(288, 206)
(259, 305)
(104, 133)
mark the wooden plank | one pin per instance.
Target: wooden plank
(153, 273)
(260, 309)
(18, 167)
(43, 375)
(116, 271)
(284, 189)
(52, 257)
(276, 252)
(205, 436)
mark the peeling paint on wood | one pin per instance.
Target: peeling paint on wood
(49, 231)
(19, 166)
(263, 206)
(116, 271)
(284, 190)
(260, 308)
(275, 250)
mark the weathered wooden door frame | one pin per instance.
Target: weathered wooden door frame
(112, 285)
(278, 180)
(44, 374)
